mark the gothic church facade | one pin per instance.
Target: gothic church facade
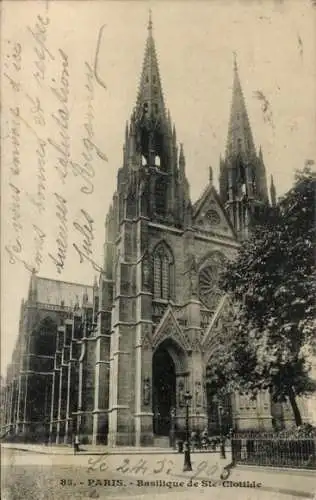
(114, 360)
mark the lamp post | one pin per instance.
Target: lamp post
(187, 458)
(222, 445)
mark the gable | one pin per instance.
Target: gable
(169, 328)
(219, 325)
(210, 216)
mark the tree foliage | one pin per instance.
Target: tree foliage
(273, 282)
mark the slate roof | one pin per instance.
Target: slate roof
(55, 292)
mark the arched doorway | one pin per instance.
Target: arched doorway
(164, 390)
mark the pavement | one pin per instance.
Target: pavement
(62, 449)
(141, 472)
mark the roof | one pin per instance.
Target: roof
(61, 292)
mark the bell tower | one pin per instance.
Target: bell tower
(243, 184)
(150, 207)
(150, 173)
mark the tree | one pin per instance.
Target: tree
(273, 282)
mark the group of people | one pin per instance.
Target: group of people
(202, 441)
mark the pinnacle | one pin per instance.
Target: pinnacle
(150, 96)
(240, 139)
(150, 23)
(235, 61)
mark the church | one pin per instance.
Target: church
(112, 361)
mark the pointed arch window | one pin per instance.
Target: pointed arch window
(163, 267)
(144, 161)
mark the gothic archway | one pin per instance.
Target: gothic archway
(167, 364)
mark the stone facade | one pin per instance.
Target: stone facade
(113, 361)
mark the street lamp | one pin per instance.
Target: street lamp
(222, 445)
(187, 458)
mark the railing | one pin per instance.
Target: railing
(272, 450)
(55, 307)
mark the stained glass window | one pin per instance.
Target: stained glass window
(163, 268)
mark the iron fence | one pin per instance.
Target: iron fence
(272, 450)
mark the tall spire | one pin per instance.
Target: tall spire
(240, 139)
(243, 183)
(150, 97)
(153, 165)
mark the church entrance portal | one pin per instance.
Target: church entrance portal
(164, 390)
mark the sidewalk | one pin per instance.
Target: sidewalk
(295, 482)
(62, 449)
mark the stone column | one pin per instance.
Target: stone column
(18, 406)
(121, 421)
(21, 403)
(14, 403)
(9, 407)
(182, 385)
(122, 359)
(67, 437)
(143, 336)
(59, 429)
(144, 386)
(25, 402)
(52, 407)
(196, 386)
(101, 389)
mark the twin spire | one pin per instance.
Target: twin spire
(150, 101)
(150, 97)
(150, 109)
(239, 139)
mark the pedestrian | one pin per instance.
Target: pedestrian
(76, 444)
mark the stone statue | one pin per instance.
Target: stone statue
(198, 395)
(146, 272)
(146, 391)
(181, 393)
(192, 271)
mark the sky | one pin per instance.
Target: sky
(69, 82)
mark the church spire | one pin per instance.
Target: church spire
(243, 183)
(240, 139)
(151, 174)
(150, 97)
